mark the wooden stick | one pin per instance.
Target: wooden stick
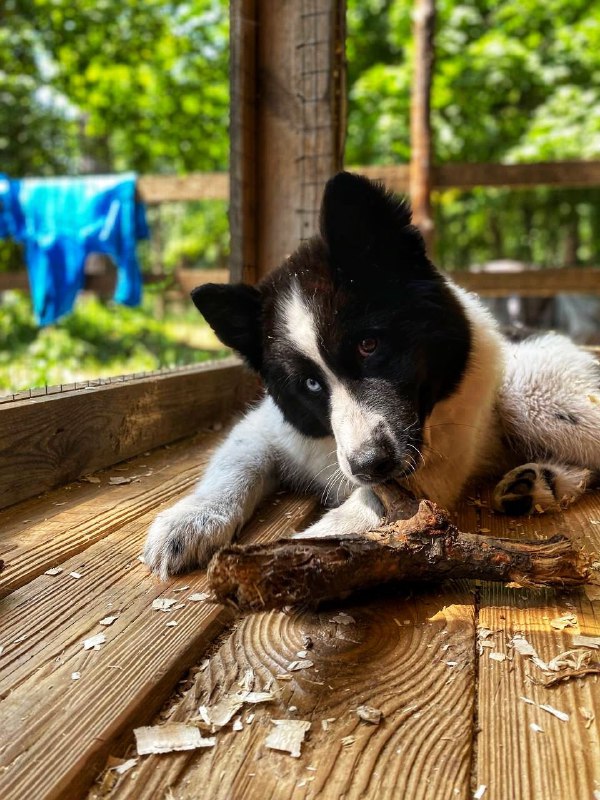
(425, 547)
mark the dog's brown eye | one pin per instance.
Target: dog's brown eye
(367, 347)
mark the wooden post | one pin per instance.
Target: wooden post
(287, 122)
(420, 121)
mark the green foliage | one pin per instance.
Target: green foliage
(514, 80)
(96, 340)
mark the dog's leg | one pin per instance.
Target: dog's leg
(361, 512)
(541, 487)
(239, 475)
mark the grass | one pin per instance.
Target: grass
(98, 339)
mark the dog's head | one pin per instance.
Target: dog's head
(355, 335)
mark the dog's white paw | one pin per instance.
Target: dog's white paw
(187, 535)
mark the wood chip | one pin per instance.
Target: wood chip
(370, 714)
(108, 620)
(221, 713)
(121, 769)
(497, 656)
(75, 575)
(75, 676)
(525, 648)
(198, 597)
(163, 604)
(53, 571)
(562, 715)
(536, 728)
(119, 480)
(173, 737)
(305, 663)
(238, 725)
(343, 619)
(256, 697)
(94, 642)
(586, 641)
(480, 791)
(288, 735)
(172, 623)
(566, 621)
(1, 649)
(90, 479)
(348, 740)
(181, 589)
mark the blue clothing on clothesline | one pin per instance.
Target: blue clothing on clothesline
(61, 221)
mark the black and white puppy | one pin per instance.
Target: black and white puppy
(376, 367)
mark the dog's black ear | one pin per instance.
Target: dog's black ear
(233, 311)
(364, 224)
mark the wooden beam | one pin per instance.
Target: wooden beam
(421, 148)
(530, 283)
(286, 134)
(155, 189)
(53, 438)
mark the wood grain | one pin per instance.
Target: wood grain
(393, 658)
(57, 731)
(51, 440)
(530, 283)
(563, 762)
(286, 133)
(42, 533)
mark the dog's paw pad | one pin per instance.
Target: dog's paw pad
(525, 490)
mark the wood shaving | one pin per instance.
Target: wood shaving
(288, 735)
(305, 663)
(221, 713)
(325, 723)
(198, 597)
(586, 641)
(572, 659)
(588, 715)
(172, 623)
(238, 725)
(247, 682)
(497, 656)
(370, 714)
(94, 642)
(536, 728)
(256, 697)
(163, 604)
(479, 792)
(75, 676)
(302, 653)
(562, 715)
(177, 606)
(75, 575)
(53, 571)
(284, 676)
(181, 589)
(250, 719)
(90, 479)
(343, 619)
(348, 740)
(593, 669)
(119, 480)
(121, 769)
(108, 620)
(566, 621)
(173, 737)
(525, 648)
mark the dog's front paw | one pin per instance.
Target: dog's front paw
(186, 536)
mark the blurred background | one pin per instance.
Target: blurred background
(107, 86)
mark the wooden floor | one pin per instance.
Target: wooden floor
(454, 717)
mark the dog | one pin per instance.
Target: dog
(377, 367)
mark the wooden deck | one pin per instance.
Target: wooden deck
(454, 718)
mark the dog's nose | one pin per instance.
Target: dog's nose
(372, 464)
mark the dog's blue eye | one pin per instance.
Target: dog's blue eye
(313, 386)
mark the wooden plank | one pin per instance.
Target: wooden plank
(392, 657)
(42, 533)
(563, 762)
(50, 440)
(154, 189)
(285, 136)
(530, 283)
(188, 279)
(421, 143)
(57, 731)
